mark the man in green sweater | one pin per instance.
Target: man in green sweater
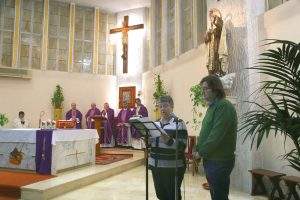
(217, 138)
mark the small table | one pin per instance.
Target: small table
(292, 182)
(274, 177)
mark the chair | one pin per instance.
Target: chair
(191, 142)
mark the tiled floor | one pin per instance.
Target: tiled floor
(130, 185)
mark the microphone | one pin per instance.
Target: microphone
(176, 119)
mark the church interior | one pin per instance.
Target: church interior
(83, 68)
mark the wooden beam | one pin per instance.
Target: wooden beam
(16, 36)
(45, 36)
(71, 37)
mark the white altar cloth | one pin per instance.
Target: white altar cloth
(18, 135)
(70, 148)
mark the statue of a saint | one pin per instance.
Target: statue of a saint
(212, 38)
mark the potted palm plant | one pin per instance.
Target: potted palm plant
(159, 91)
(3, 119)
(57, 101)
(280, 114)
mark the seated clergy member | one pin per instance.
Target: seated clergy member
(21, 121)
(107, 139)
(139, 110)
(162, 160)
(74, 114)
(93, 111)
(123, 128)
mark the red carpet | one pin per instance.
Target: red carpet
(11, 183)
(106, 158)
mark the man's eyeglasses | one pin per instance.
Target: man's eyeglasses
(206, 88)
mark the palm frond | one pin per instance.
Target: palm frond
(294, 159)
(280, 113)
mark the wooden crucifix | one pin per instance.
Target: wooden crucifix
(124, 29)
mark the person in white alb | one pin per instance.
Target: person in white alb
(21, 121)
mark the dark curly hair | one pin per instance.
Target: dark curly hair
(215, 84)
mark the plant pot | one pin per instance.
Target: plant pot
(57, 114)
(157, 113)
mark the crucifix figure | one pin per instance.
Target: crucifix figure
(124, 29)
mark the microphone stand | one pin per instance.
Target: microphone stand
(147, 167)
(176, 158)
(147, 146)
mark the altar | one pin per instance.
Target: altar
(26, 149)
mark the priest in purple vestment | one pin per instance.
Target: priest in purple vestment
(74, 114)
(123, 127)
(90, 123)
(139, 110)
(107, 139)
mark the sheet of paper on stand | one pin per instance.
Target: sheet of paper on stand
(141, 122)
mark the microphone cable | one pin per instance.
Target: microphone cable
(184, 188)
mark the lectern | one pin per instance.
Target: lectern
(100, 128)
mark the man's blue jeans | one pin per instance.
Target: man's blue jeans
(218, 177)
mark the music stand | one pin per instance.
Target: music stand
(144, 127)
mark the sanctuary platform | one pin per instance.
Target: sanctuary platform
(77, 178)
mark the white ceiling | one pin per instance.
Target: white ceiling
(112, 5)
